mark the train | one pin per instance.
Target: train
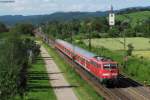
(104, 69)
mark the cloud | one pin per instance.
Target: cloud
(28, 7)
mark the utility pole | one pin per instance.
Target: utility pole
(89, 32)
(125, 25)
(124, 58)
(71, 31)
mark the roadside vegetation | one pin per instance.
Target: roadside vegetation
(38, 86)
(81, 88)
(16, 54)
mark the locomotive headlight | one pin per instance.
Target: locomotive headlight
(114, 74)
(106, 74)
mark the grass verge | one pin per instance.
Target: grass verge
(38, 83)
(83, 90)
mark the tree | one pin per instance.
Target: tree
(130, 49)
(23, 28)
(113, 32)
(12, 59)
(3, 28)
(99, 24)
(14, 65)
(146, 27)
(143, 28)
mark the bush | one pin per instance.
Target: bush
(13, 66)
(3, 28)
(25, 28)
(114, 32)
(130, 49)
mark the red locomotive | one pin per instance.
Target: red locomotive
(101, 67)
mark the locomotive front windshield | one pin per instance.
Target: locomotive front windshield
(110, 66)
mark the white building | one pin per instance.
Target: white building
(111, 17)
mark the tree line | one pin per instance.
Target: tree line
(16, 53)
(97, 27)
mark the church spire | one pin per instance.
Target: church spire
(111, 17)
(111, 9)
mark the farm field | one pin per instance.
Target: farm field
(139, 43)
(145, 54)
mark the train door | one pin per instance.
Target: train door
(98, 69)
(87, 64)
(83, 61)
(95, 68)
(92, 67)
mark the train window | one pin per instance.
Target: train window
(80, 58)
(74, 54)
(94, 64)
(106, 66)
(88, 62)
(99, 65)
(113, 66)
(83, 60)
(110, 66)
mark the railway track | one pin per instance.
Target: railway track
(91, 80)
(127, 89)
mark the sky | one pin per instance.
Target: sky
(38, 7)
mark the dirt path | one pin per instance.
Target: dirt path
(61, 87)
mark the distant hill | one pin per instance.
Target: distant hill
(134, 17)
(133, 9)
(36, 19)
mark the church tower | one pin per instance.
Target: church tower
(111, 17)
